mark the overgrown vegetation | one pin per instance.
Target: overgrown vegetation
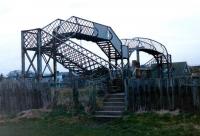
(66, 119)
(62, 123)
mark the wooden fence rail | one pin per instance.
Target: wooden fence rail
(164, 94)
(16, 96)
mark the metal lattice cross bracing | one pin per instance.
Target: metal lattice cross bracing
(53, 44)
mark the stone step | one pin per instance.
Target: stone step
(112, 113)
(114, 99)
(113, 108)
(113, 104)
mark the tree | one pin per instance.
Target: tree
(2, 77)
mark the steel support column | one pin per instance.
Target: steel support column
(122, 56)
(161, 67)
(39, 56)
(54, 61)
(109, 56)
(138, 56)
(116, 63)
(22, 54)
(54, 70)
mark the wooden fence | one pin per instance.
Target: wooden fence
(16, 96)
(163, 94)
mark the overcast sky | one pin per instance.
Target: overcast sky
(174, 23)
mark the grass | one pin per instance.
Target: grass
(65, 124)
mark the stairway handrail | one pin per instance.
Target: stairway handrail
(109, 28)
(79, 25)
(87, 51)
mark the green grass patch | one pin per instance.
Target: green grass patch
(60, 123)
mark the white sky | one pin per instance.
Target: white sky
(174, 23)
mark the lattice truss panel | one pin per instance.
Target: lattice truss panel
(158, 50)
(39, 44)
(72, 52)
(30, 56)
(150, 46)
(76, 25)
(83, 29)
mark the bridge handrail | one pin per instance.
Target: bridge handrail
(152, 44)
(98, 57)
(52, 24)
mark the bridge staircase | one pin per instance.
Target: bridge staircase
(102, 35)
(113, 106)
(56, 41)
(60, 47)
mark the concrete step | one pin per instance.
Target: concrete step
(109, 113)
(113, 104)
(115, 90)
(113, 108)
(114, 99)
(122, 93)
(116, 95)
(116, 87)
(107, 116)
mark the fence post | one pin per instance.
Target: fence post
(195, 94)
(126, 94)
(172, 85)
(75, 91)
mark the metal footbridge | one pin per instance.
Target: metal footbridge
(102, 35)
(159, 52)
(54, 42)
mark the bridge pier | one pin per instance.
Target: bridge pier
(22, 54)
(54, 70)
(32, 55)
(138, 56)
(39, 56)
